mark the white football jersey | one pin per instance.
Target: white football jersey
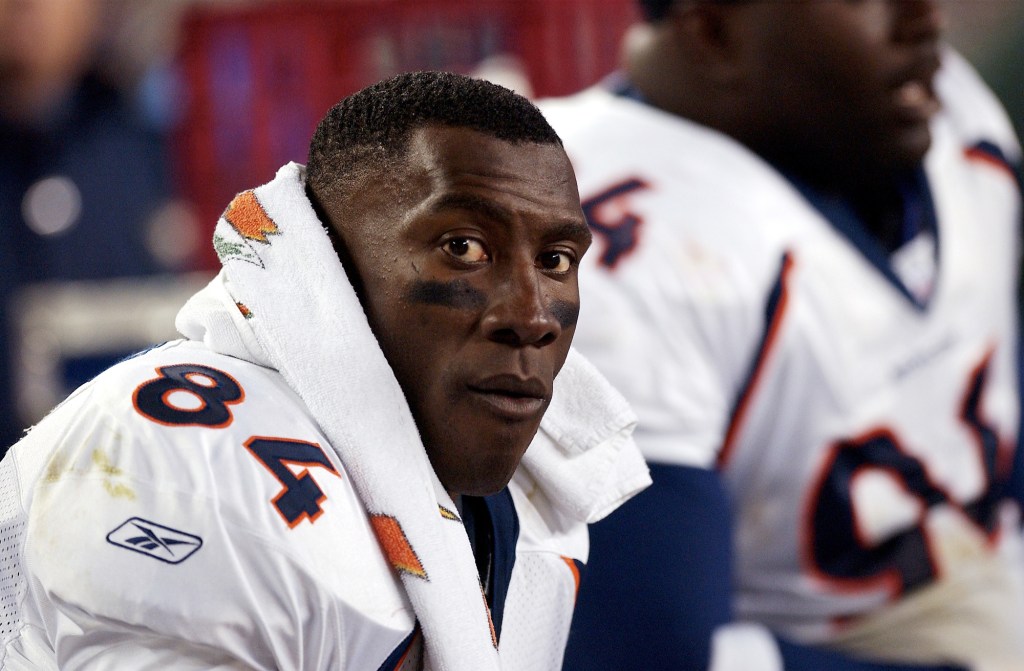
(860, 412)
(183, 511)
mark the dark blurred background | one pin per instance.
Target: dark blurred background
(126, 126)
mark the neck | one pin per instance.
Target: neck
(878, 204)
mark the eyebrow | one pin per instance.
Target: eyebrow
(465, 201)
(571, 230)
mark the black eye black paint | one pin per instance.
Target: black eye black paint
(457, 294)
(566, 313)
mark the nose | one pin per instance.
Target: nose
(919, 20)
(517, 313)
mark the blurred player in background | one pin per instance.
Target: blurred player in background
(325, 473)
(806, 219)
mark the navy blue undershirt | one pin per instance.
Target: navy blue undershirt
(493, 528)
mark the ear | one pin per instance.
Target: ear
(709, 36)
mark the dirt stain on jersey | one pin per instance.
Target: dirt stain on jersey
(56, 468)
(101, 461)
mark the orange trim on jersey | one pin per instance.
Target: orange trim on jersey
(979, 447)
(305, 471)
(247, 216)
(490, 622)
(396, 546)
(1004, 460)
(160, 375)
(1004, 448)
(889, 580)
(571, 563)
(408, 651)
(976, 155)
(777, 316)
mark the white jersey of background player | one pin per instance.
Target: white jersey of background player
(259, 496)
(860, 408)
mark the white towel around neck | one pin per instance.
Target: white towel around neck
(282, 300)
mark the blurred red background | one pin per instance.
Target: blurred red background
(258, 78)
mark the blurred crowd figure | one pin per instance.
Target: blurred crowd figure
(86, 189)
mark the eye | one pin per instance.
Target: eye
(468, 250)
(555, 261)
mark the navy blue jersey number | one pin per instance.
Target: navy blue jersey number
(621, 234)
(835, 548)
(300, 497)
(189, 395)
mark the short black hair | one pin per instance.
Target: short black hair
(655, 10)
(372, 126)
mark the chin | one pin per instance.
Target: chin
(477, 479)
(910, 147)
(482, 489)
(479, 462)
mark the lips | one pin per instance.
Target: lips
(512, 397)
(915, 101)
(913, 92)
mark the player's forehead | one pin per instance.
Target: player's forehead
(466, 169)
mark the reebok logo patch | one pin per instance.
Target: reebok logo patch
(155, 540)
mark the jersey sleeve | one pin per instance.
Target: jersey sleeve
(674, 286)
(675, 332)
(972, 107)
(143, 549)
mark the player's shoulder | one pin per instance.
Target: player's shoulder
(183, 384)
(176, 418)
(182, 391)
(665, 172)
(590, 102)
(173, 353)
(972, 110)
(600, 118)
(191, 483)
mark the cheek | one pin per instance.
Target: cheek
(421, 337)
(567, 313)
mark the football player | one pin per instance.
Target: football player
(328, 472)
(806, 220)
